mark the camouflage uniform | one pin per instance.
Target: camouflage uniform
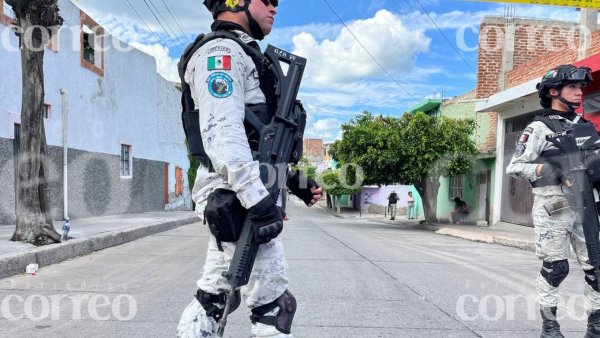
(552, 233)
(224, 79)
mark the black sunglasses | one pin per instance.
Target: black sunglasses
(275, 3)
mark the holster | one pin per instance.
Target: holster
(225, 215)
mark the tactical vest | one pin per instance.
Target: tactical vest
(585, 134)
(190, 115)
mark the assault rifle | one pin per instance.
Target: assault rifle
(278, 140)
(579, 190)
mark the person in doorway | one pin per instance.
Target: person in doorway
(539, 161)
(461, 211)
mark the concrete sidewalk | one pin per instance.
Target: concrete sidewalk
(86, 236)
(501, 233)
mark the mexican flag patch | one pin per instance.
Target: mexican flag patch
(222, 62)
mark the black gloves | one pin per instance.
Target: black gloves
(266, 220)
(553, 172)
(300, 186)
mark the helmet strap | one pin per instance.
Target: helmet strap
(255, 29)
(572, 105)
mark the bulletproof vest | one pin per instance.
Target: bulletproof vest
(190, 115)
(585, 134)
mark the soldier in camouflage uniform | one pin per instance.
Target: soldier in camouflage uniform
(538, 161)
(224, 79)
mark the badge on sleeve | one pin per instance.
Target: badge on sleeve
(222, 62)
(519, 150)
(220, 85)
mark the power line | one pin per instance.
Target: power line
(144, 22)
(167, 24)
(369, 53)
(159, 22)
(446, 38)
(176, 21)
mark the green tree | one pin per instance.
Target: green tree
(414, 149)
(336, 184)
(432, 147)
(370, 142)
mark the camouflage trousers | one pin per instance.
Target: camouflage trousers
(554, 235)
(268, 282)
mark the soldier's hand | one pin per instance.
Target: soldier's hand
(266, 220)
(305, 188)
(549, 171)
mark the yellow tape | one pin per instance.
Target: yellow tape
(572, 3)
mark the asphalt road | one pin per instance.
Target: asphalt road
(351, 277)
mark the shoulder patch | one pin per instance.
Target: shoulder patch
(221, 62)
(220, 85)
(528, 130)
(219, 49)
(524, 137)
(519, 150)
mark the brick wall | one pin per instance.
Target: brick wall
(539, 66)
(595, 46)
(533, 39)
(313, 149)
(489, 59)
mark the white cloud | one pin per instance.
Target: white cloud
(166, 65)
(328, 129)
(385, 37)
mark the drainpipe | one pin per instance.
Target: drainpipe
(64, 108)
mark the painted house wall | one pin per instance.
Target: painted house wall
(126, 103)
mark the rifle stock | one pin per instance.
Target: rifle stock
(276, 147)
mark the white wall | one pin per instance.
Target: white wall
(104, 111)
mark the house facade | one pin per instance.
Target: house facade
(117, 119)
(513, 96)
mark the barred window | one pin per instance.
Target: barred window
(125, 160)
(455, 187)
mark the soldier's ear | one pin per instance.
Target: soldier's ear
(553, 92)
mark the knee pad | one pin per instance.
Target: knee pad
(283, 319)
(590, 278)
(214, 305)
(555, 272)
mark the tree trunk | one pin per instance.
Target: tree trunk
(336, 200)
(428, 189)
(34, 218)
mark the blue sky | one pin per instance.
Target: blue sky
(386, 56)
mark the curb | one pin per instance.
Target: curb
(483, 238)
(12, 264)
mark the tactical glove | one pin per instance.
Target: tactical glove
(266, 220)
(301, 186)
(552, 172)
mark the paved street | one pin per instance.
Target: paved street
(352, 278)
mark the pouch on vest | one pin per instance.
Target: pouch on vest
(225, 215)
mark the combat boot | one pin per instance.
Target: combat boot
(550, 327)
(593, 328)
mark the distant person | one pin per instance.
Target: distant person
(461, 211)
(392, 201)
(410, 206)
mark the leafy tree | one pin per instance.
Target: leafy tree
(36, 21)
(432, 147)
(370, 142)
(309, 171)
(336, 184)
(414, 149)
